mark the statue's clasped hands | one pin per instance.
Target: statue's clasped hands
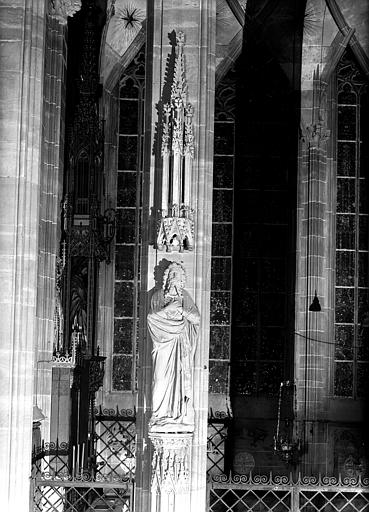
(174, 307)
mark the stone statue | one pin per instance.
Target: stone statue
(173, 322)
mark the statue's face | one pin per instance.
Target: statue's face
(174, 280)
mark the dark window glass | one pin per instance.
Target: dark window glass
(127, 153)
(344, 305)
(129, 207)
(222, 239)
(223, 171)
(344, 342)
(128, 121)
(346, 195)
(221, 273)
(222, 205)
(219, 342)
(346, 123)
(223, 138)
(122, 371)
(343, 381)
(345, 232)
(346, 159)
(351, 303)
(218, 376)
(124, 262)
(123, 331)
(345, 268)
(126, 189)
(220, 304)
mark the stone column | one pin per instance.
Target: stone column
(312, 299)
(197, 22)
(51, 189)
(21, 72)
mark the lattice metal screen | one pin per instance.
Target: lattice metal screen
(333, 501)
(260, 500)
(51, 459)
(80, 497)
(218, 424)
(283, 494)
(115, 436)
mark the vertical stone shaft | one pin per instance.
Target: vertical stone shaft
(50, 198)
(311, 325)
(21, 72)
(197, 22)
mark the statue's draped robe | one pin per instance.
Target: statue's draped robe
(174, 343)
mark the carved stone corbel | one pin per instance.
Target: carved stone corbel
(171, 463)
(61, 9)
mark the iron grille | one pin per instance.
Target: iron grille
(218, 424)
(62, 496)
(51, 459)
(115, 435)
(284, 494)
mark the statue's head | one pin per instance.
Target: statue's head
(174, 278)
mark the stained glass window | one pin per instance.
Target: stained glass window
(128, 240)
(222, 238)
(351, 287)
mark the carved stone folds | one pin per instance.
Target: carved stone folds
(171, 463)
(176, 229)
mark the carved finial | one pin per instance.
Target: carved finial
(180, 39)
(179, 87)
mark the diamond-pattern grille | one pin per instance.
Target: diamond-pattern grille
(51, 459)
(115, 435)
(60, 498)
(317, 501)
(262, 493)
(237, 500)
(218, 424)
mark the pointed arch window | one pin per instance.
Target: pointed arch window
(351, 285)
(128, 237)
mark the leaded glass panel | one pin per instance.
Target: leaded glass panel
(345, 231)
(347, 123)
(128, 233)
(344, 379)
(218, 376)
(351, 294)
(346, 159)
(222, 237)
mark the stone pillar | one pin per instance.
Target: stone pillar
(312, 300)
(51, 189)
(21, 73)
(197, 22)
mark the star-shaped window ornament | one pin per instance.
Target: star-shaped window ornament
(130, 16)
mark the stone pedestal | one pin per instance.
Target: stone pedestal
(171, 460)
